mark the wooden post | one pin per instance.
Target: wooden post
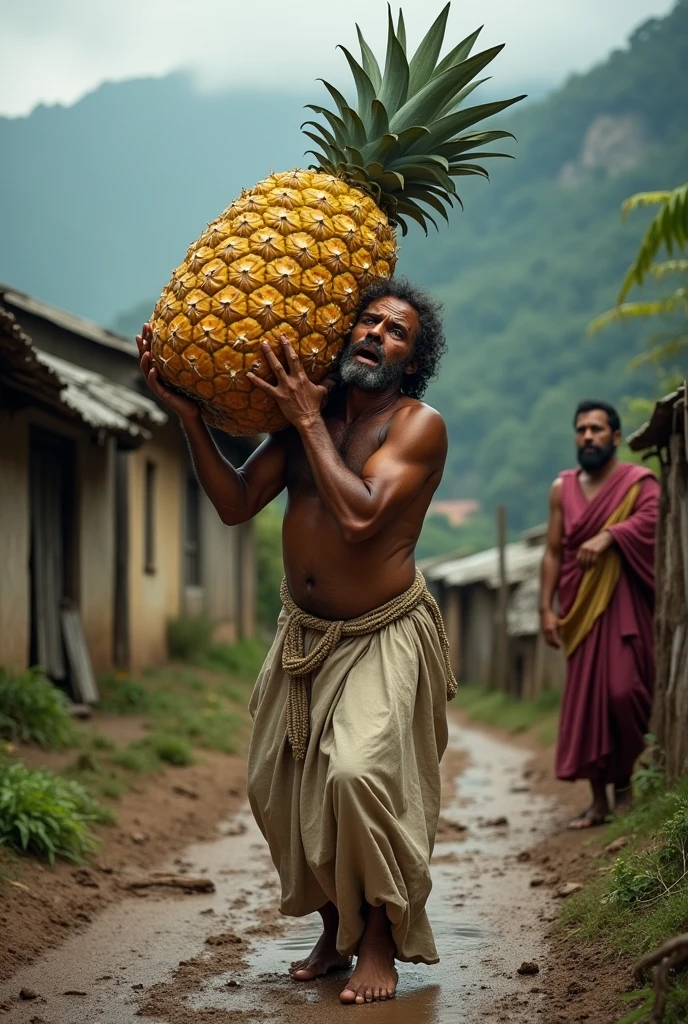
(502, 638)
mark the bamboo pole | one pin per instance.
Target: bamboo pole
(502, 645)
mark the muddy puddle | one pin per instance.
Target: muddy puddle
(148, 958)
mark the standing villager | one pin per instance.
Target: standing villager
(350, 708)
(600, 561)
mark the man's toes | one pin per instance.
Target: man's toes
(369, 995)
(348, 996)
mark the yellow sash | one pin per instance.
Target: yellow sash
(598, 583)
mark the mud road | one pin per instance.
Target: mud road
(222, 957)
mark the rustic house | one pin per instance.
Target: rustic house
(104, 532)
(467, 590)
(666, 436)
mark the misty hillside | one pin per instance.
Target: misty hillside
(98, 202)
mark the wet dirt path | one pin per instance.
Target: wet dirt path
(222, 957)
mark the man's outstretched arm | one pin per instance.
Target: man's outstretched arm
(237, 494)
(551, 567)
(414, 450)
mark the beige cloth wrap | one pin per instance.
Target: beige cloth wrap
(354, 820)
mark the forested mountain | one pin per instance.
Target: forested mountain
(98, 202)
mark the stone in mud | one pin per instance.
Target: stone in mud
(500, 822)
(224, 939)
(568, 890)
(139, 838)
(528, 968)
(618, 844)
(535, 883)
(524, 856)
(29, 993)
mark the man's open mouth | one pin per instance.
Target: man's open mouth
(367, 355)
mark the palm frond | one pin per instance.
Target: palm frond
(668, 228)
(634, 310)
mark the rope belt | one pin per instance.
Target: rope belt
(300, 666)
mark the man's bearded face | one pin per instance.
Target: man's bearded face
(593, 457)
(370, 371)
(596, 442)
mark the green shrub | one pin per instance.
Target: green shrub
(123, 695)
(32, 710)
(642, 878)
(189, 637)
(137, 758)
(45, 814)
(168, 748)
(244, 658)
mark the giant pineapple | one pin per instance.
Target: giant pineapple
(293, 254)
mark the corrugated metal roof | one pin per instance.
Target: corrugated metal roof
(68, 321)
(19, 360)
(101, 403)
(522, 561)
(523, 615)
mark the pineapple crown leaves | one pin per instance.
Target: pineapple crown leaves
(407, 136)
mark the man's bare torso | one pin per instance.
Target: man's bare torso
(326, 575)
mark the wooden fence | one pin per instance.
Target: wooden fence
(667, 435)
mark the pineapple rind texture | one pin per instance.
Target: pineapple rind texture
(292, 256)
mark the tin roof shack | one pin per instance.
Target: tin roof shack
(666, 436)
(99, 505)
(467, 590)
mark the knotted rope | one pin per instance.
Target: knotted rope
(300, 666)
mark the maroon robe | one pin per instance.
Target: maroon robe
(610, 677)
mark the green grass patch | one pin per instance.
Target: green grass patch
(203, 706)
(47, 815)
(640, 898)
(32, 710)
(502, 711)
(189, 637)
(169, 749)
(244, 658)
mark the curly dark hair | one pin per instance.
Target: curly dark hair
(431, 343)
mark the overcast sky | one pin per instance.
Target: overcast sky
(58, 50)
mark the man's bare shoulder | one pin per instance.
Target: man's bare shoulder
(556, 491)
(417, 421)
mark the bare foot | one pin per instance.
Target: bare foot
(623, 799)
(324, 958)
(592, 818)
(374, 978)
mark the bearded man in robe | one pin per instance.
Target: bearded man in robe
(599, 563)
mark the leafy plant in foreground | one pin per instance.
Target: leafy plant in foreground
(32, 710)
(47, 815)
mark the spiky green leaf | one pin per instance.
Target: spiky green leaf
(369, 62)
(425, 105)
(457, 170)
(341, 101)
(424, 59)
(424, 196)
(355, 129)
(401, 30)
(381, 149)
(394, 89)
(408, 208)
(337, 125)
(391, 181)
(459, 53)
(447, 127)
(380, 123)
(364, 88)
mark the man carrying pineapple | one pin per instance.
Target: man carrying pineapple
(350, 707)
